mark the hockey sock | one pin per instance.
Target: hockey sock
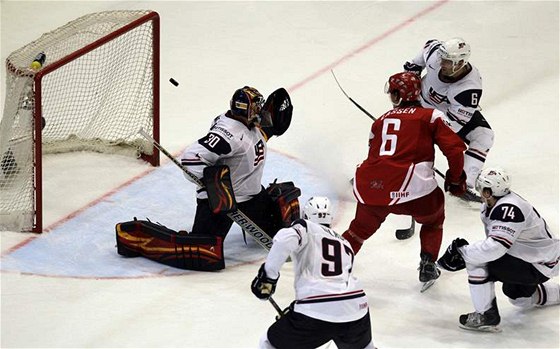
(546, 294)
(474, 161)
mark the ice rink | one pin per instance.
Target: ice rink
(68, 287)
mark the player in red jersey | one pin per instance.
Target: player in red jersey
(398, 177)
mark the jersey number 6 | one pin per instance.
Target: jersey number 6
(389, 141)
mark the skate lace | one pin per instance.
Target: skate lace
(475, 319)
(427, 267)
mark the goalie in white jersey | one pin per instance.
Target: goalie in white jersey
(454, 86)
(330, 302)
(519, 250)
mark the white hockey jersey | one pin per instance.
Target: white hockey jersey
(513, 226)
(324, 284)
(229, 142)
(458, 100)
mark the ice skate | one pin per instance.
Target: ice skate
(485, 322)
(429, 272)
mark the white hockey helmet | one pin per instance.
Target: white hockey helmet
(455, 50)
(494, 178)
(318, 210)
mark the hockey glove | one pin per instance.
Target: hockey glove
(455, 187)
(413, 68)
(452, 259)
(279, 108)
(262, 286)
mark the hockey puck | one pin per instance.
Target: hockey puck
(174, 82)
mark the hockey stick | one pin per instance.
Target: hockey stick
(400, 234)
(237, 216)
(277, 307)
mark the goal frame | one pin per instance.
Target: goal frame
(37, 111)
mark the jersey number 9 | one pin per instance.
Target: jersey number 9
(332, 255)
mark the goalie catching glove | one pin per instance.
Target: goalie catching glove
(262, 286)
(279, 107)
(452, 259)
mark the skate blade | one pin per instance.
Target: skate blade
(490, 329)
(427, 285)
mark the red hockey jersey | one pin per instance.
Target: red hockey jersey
(399, 167)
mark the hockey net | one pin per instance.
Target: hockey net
(98, 85)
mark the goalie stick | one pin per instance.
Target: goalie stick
(237, 216)
(400, 234)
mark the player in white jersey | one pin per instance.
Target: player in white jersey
(454, 86)
(238, 139)
(519, 250)
(330, 302)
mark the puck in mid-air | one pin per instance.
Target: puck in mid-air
(174, 82)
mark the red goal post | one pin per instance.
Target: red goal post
(97, 87)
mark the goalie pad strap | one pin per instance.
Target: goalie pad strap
(166, 246)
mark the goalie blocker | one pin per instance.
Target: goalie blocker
(201, 252)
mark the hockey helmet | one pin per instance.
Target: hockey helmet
(247, 103)
(318, 210)
(495, 179)
(455, 50)
(407, 85)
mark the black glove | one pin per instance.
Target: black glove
(262, 286)
(278, 107)
(413, 68)
(455, 187)
(452, 259)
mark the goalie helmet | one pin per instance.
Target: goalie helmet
(407, 85)
(496, 179)
(247, 103)
(457, 51)
(318, 210)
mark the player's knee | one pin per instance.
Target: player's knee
(515, 291)
(522, 302)
(481, 139)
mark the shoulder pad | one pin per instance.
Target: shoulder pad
(429, 42)
(301, 222)
(507, 212)
(215, 143)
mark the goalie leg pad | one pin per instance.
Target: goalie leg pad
(166, 246)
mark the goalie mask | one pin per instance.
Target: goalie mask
(246, 103)
(495, 179)
(405, 85)
(318, 210)
(454, 54)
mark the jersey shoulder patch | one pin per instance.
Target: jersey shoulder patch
(507, 212)
(469, 98)
(215, 143)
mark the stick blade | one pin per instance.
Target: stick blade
(403, 234)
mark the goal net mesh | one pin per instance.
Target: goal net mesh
(95, 90)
